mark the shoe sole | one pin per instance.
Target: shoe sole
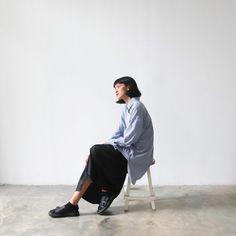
(104, 209)
(60, 216)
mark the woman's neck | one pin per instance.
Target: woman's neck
(127, 99)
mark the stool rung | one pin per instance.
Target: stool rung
(151, 198)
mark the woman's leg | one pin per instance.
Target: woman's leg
(71, 208)
(78, 194)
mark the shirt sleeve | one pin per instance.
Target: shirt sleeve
(119, 132)
(133, 131)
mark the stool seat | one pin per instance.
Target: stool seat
(151, 198)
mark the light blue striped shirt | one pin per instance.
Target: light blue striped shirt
(134, 138)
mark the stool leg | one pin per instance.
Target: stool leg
(126, 194)
(152, 194)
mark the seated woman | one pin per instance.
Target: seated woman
(130, 149)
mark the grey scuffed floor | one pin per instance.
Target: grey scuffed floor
(181, 210)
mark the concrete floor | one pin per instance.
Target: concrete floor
(181, 210)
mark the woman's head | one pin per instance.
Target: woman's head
(126, 86)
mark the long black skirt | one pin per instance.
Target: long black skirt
(107, 168)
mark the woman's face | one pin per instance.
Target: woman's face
(120, 90)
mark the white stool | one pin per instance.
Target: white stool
(151, 198)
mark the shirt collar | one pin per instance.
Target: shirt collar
(131, 101)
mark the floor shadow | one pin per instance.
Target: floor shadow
(188, 201)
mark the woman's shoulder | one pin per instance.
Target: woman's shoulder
(137, 106)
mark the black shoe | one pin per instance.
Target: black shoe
(64, 211)
(106, 200)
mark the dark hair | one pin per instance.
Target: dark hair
(133, 88)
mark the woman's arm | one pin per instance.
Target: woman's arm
(133, 131)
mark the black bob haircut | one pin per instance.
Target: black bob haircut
(133, 88)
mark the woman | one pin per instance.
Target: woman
(130, 149)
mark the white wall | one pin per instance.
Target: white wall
(58, 60)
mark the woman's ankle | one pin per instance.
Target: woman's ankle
(73, 203)
(104, 190)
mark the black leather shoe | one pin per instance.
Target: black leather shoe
(106, 200)
(64, 212)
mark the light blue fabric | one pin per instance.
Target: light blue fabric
(134, 138)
